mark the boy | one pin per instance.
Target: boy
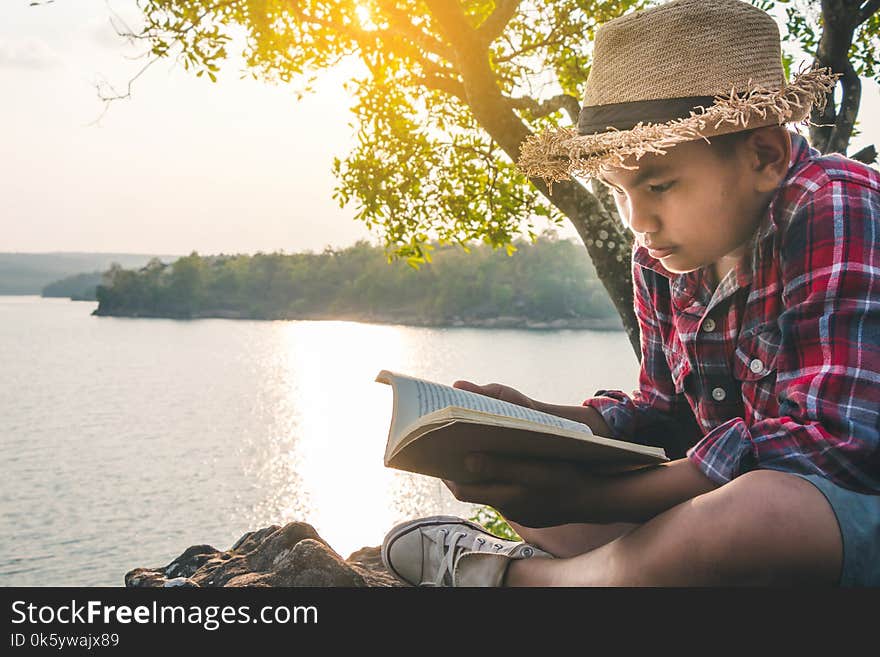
(757, 289)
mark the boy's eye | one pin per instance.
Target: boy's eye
(661, 188)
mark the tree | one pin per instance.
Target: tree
(849, 43)
(186, 283)
(451, 90)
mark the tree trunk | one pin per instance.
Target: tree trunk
(834, 126)
(608, 243)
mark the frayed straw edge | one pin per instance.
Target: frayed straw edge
(558, 155)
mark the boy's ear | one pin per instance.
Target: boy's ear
(768, 152)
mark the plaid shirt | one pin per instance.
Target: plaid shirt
(779, 366)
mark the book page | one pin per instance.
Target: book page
(424, 397)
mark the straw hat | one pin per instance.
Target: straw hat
(685, 70)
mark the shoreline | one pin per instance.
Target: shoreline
(512, 322)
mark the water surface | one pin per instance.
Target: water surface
(124, 441)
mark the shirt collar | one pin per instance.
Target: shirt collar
(801, 153)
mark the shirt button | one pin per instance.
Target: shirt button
(709, 325)
(756, 365)
(718, 394)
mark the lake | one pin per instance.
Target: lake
(125, 441)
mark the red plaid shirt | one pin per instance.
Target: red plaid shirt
(779, 366)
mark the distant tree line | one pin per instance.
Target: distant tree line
(79, 287)
(544, 281)
(29, 273)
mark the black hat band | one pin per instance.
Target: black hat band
(625, 116)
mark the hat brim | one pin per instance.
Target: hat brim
(560, 154)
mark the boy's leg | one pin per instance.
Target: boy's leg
(764, 527)
(564, 541)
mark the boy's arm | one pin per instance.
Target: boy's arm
(543, 494)
(520, 488)
(640, 495)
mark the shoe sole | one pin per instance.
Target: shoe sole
(402, 528)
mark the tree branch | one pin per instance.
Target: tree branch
(365, 40)
(118, 96)
(356, 34)
(868, 155)
(444, 84)
(828, 134)
(532, 46)
(494, 26)
(868, 9)
(563, 101)
(413, 42)
(401, 24)
(452, 22)
(849, 109)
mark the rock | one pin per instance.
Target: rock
(292, 555)
(185, 582)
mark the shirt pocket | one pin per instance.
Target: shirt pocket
(755, 362)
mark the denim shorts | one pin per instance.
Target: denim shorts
(859, 518)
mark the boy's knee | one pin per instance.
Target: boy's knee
(766, 517)
(763, 500)
(774, 495)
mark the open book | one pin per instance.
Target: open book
(433, 427)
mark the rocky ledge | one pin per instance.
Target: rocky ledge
(292, 555)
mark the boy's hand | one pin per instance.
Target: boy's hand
(531, 493)
(498, 391)
(528, 492)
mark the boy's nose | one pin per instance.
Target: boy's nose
(641, 221)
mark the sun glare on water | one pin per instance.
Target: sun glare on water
(340, 420)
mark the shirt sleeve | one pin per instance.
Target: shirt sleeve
(829, 359)
(655, 414)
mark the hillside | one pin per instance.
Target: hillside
(29, 273)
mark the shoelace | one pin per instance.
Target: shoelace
(448, 553)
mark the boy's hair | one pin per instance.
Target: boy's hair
(723, 146)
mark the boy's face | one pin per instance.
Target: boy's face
(702, 205)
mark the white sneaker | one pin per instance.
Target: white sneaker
(450, 551)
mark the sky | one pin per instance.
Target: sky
(236, 166)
